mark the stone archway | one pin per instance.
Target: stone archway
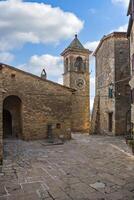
(7, 124)
(12, 122)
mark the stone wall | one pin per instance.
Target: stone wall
(104, 76)
(1, 119)
(122, 88)
(43, 103)
(112, 66)
(80, 104)
(95, 117)
(131, 40)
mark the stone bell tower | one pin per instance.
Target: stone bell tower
(76, 76)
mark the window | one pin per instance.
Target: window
(58, 125)
(66, 64)
(121, 52)
(1, 68)
(12, 75)
(127, 89)
(79, 64)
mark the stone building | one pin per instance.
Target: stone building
(112, 101)
(32, 107)
(130, 34)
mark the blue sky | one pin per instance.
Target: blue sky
(34, 33)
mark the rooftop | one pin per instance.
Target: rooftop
(35, 76)
(105, 37)
(75, 46)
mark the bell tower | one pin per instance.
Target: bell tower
(76, 76)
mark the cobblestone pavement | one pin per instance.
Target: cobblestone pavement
(85, 168)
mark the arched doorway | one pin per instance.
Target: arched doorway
(7, 124)
(12, 122)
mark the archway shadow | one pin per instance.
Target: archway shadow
(12, 121)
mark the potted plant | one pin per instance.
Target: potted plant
(131, 144)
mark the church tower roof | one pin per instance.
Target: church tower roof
(75, 46)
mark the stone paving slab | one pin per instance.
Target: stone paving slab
(85, 168)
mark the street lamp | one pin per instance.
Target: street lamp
(111, 90)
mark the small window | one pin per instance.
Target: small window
(12, 75)
(66, 65)
(127, 89)
(58, 125)
(1, 68)
(66, 62)
(121, 52)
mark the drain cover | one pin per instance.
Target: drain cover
(98, 185)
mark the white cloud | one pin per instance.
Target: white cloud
(6, 57)
(122, 2)
(92, 91)
(91, 45)
(122, 28)
(91, 104)
(52, 64)
(60, 80)
(28, 22)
